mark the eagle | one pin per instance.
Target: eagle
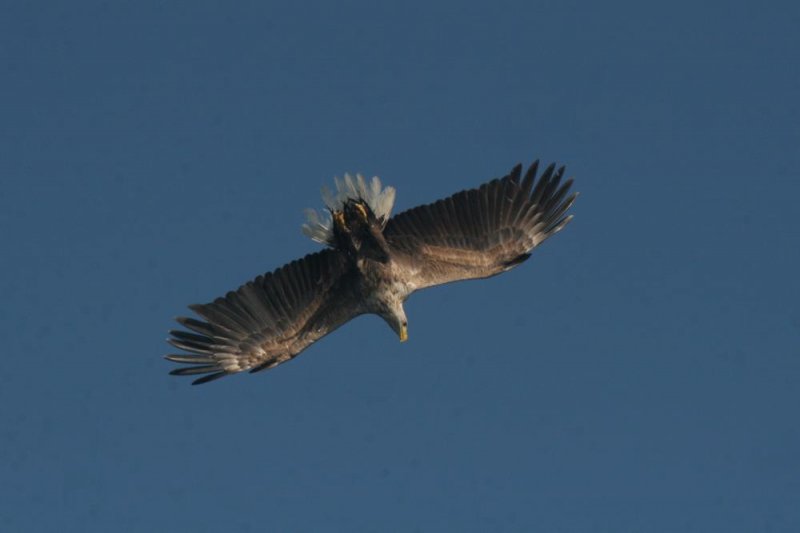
(371, 263)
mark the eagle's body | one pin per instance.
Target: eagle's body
(372, 264)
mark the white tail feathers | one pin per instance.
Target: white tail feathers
(318, 228)
(380, 199)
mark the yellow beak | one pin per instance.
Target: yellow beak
(403, 333)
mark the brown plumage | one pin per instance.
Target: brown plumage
(373, 264)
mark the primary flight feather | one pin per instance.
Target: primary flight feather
(372, 263)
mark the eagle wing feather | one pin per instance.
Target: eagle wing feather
(268, 320)
(480, 232)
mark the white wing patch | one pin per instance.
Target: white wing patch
(319, 226)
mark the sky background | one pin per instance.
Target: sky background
(640, 373)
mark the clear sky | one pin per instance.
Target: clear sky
(640, 373)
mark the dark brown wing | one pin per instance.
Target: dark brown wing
(268, 320)
(480, 232)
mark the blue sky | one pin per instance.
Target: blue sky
(639, 373)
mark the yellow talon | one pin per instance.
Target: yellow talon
(403, 333)
(362, 210)
(338, 219)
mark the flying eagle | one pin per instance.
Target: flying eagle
(372, 263)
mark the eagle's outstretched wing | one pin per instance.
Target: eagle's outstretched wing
(480, 232)
(268, 320)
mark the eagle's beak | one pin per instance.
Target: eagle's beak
(403, 333)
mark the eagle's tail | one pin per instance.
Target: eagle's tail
(319, 226)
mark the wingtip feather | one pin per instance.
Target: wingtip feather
(209, 378)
